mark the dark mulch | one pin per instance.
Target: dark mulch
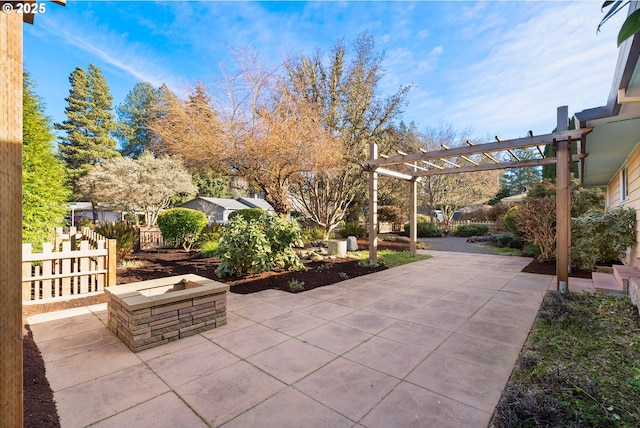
(167, 262)
(549, 268)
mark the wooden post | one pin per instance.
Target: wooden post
(563, 203)
(10, 220)
(112, 263)
(373, 207)
(413, 214)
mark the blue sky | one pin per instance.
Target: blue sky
(494, 67)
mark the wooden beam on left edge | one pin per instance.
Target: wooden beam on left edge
(11, 410)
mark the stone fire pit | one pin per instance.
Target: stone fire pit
(150, 313)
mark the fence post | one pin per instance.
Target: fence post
(112, 264)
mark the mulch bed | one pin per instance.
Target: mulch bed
(549, 268)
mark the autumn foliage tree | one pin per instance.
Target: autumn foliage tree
(264, 134)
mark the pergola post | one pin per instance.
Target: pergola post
(373, 207)
(563, 202)
(10, 220)
(413, 215)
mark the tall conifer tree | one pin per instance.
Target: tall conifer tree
(89, 124)
(44, 193)
(139, 108)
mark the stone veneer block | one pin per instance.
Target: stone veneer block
(150, 313)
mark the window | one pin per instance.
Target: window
(624, 184)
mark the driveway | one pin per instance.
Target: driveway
(455, 244)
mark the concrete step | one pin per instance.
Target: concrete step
(623, 273)
(606, 283)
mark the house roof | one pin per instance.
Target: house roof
(257, 203)
(616, 125)
(226, 203)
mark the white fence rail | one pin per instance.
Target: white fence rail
(75, 265)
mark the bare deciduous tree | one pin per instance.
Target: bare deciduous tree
(450, 192)
(347, 94)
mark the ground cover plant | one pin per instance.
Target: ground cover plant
(580, 366)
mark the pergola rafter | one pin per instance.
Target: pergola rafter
(561, 141)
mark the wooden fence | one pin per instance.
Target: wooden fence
(74, 265)
(151, 238)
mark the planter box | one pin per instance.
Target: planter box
(150, 313)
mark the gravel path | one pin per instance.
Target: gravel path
(454, 244)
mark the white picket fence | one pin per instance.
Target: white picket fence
(73, 266)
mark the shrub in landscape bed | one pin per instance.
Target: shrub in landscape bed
(257, 245)
(536, 221)
(126, 235)
(353, 229)
(210, 233)
(468, 230)
(181, 226)
(510, 220)
(248, 214)
(531, 250)
(601, 237)
(313, 233)
(425, 230)
(509, 240)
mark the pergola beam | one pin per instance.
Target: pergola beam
(518, 143)
(492, 166)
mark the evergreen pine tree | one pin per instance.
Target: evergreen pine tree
(44, 193)
(89, 122)
(139, 108)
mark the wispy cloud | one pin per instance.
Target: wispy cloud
(537, 65)
(109, 49)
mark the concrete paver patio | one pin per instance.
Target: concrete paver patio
(429, 344)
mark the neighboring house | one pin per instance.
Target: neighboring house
(614, 144)
(257, 203)
(83, 210)
(218, 209)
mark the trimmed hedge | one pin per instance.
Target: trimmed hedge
(425, 230)
(181, 226)
(469, 230)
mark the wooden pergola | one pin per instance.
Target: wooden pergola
(438, 162)
(11, 409)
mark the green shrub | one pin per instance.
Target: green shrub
(248, 214)
(353, 229)
(313, 233)
(258, 245)
(425, 230)
(468, 230)
(531, 250)
(208, 249)
(127, 236)
(510, 220)
(209, 233)
(509, 240)
(601, 237)
(181, 226)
